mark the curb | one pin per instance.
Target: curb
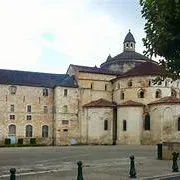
(163, 177)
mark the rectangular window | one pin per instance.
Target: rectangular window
(65, 108)
(12, 108)
(28, 117)
(12, 117)
(65, 92)
(45, 109)
(65, 122)
(45, 92)
(29, 109)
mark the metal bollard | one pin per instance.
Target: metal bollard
(13, 175)
(175, 167)
(79, 176)
(132, 172)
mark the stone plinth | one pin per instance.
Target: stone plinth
(168, 148)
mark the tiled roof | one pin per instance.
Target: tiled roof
(100, 103)
(126, 56)
(93, 70)
(131, 103)
(69, 81)
(26, 78)
(129, 38)
(166, 100)
(146, 68)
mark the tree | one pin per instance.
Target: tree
(162, 30)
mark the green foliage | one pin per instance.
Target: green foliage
(7, 141)
(20, 141)
(33, 141)
(162, 30)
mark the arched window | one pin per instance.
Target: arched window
(166, 83)
(147, 123)
(122, 95)
(173, 93)
(140, 93)
(105, 87)
(91, 85)
(118, 85)
(179, 124)
(29, 130)
(130, 83)
(131, 45)
(127, 45)
(149, 82)
(178, 84)
(124, 125)
(106, 125)
(158, 93)
(45, 131)
(12, 129)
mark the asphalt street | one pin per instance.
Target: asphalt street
(99, 162)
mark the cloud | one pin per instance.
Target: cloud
(80, 32)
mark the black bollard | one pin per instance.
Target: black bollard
(175, 167)
(12, 176)
(132, 172)
(79, 176)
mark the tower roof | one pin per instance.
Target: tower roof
(129, 38)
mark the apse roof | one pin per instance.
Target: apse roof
(100, 103)
(131, 103)
(166, 100)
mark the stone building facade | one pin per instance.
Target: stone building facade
(116, 103)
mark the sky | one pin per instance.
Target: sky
(49, 35)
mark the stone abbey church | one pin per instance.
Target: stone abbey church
(116, 103)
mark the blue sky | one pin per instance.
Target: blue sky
(48, 35)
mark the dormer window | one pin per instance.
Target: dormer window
(45, 92)
(13, 89)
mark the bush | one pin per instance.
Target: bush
(20, 141)
(7, 141)
(33, 141)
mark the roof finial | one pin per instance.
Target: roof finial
(129, 30)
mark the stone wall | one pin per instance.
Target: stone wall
(67, 120)
(131, 134)
(23, 97)
(93, 130)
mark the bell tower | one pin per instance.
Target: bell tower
(129, 42)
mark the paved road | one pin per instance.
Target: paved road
(100, 162)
